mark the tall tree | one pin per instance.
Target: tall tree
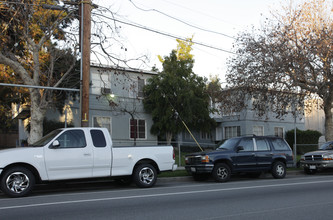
(289, 59)
(28, 37)
(177, 94)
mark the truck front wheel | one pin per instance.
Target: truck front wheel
(144, 175)
(17, 182)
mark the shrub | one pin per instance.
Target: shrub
(308, 137)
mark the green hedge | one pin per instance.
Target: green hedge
(308, 137)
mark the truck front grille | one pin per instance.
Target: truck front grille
(194, 160)
(313, 157)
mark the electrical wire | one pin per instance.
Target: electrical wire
(179, 20)
(163, 33)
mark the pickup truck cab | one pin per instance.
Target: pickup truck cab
(250, 154)
(77, 153)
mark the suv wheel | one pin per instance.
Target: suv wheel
(279, 170)
(221, 172)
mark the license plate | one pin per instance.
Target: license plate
(312, 167)
(193, 169)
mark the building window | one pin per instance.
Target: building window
(141, 84)
(102, 122)
(187, 135)
(258, 130)
(136, 88)
(205, 136)
(137, 129)
(230, 132)
(278, 131)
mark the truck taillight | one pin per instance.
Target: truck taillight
(174, 154)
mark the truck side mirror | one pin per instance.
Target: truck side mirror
(55, 144)
(239, 148)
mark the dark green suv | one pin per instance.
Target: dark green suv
(255, 154)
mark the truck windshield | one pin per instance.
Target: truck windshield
(46, 139)
(228, 144)
(327, 146)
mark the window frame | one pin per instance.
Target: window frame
(234, 130)
(102, 126)
(255, 130)
(71, 131)
(277, 133)
(138, 129)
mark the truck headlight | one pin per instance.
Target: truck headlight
(302, 158)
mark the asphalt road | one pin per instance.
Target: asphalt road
(295, 197)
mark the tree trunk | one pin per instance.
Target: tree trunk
(37, 116)
(168, 137)
(328, 119)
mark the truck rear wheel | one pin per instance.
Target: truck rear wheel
(144, 175)
(17, 182)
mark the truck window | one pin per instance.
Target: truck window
(72, 139)
(98, 138)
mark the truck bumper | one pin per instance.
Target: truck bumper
(197, 169)
(317, 165)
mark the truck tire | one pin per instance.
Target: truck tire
(144, 175)
(17, 182)
(310, 172)
(279, 170)
(221, 172)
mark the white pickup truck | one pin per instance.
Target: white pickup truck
(77, 153)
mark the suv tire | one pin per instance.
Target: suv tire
(221, 172)
(279, 170)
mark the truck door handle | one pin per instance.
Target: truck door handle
(87, 154)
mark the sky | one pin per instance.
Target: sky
(217, 23)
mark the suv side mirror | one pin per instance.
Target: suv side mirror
(239, 148)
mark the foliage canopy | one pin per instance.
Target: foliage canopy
(176, 94)
(289, 60)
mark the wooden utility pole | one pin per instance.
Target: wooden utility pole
(85, 31)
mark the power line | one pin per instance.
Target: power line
(163, 33)
(179, 20)
(199, 12)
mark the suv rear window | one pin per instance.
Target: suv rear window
(279, 144)
(262, 144)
